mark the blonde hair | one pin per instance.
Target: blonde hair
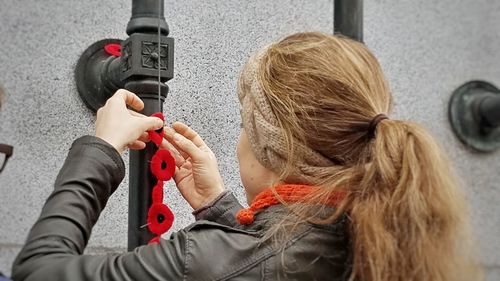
(407, 215)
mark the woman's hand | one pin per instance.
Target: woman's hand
(197, 175)
(122, 127)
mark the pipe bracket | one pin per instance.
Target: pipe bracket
(467, 117)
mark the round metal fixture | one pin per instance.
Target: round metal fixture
(94, 87)
(474, 113)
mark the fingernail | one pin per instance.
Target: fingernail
(169, 131)
(177, 137)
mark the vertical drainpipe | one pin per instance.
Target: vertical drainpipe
(144, 20)
(348, 18)
(111, 64)
(141, 183)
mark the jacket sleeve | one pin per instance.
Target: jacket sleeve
(53, 250)
(221, 210)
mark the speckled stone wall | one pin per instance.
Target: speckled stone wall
(427, 49)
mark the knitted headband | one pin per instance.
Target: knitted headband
(264, 134)
(267, 139)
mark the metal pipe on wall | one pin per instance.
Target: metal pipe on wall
(141, 183)
(348, 18)
(110, 64)
(474, 114)
(145, 14)
(144, 20)
(489, 110)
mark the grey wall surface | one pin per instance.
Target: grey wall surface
(427, 49)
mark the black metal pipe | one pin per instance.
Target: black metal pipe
(489, 110)
(144, 20)
(141, 180)
(348, 18)
(145, 14)
(101, 70)
(474, 113)
(141, 183)
(147, 9)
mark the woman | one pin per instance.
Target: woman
(337, 190)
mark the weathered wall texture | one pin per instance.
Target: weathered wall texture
(427, 49)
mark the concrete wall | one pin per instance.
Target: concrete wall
(427, 49)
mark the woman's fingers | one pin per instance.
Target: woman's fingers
(144, 137)
(169, 133)
(185, 140)
(188, 133)
(135, 113)
(187, 146)
(179, 159)
(129, 98)
(137, 145)
(169, 137)
(149, 123)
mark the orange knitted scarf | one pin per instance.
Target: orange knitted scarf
(290, 193)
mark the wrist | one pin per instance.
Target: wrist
(111, 143)
(209, 203)
(209, 200)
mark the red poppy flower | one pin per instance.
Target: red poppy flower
(160, 218)
(113, 49)
(163, 165)
(157, 136)
(154, 240)
(157, 193)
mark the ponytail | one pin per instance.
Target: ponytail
(407, 212)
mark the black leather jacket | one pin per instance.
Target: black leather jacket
(215, 247)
